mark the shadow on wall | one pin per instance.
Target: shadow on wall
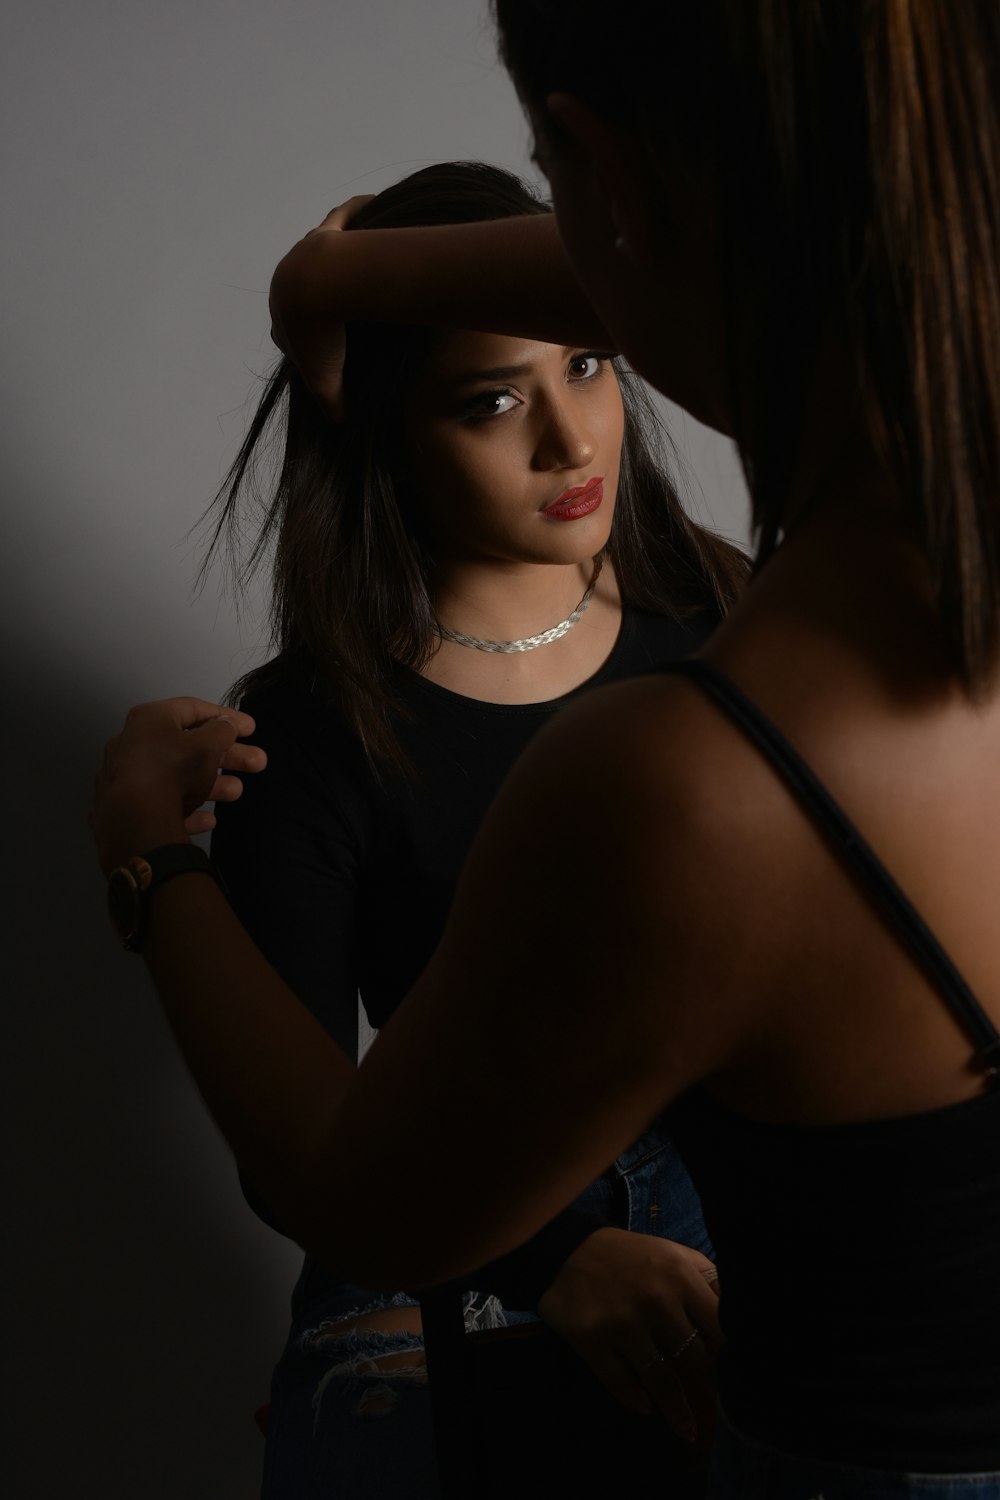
(147, 1304)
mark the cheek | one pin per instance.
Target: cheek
(616, 423)
(474, 467)
(462, 482)
(608, 430)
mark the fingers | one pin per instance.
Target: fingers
(680, 1384)
(195, 714)
(679, 1376)
(191, 713)
(694, 1365)
(702, 1304)
(304, 324)
(244, 759)
(653, 1383)
(226, 789)
(621, 1381)
(186, 713)
(662, 1381)
(237, 761)
(211, 721)
(209, 732)
(330, 395)
(321, 366)
(203, 819)
(316, 350)
(341, 216)
(643, 1313)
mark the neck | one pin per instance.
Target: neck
(849, 581)
(506, 601)
(509, 602)
(847, 593)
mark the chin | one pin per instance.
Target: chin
(577, 551)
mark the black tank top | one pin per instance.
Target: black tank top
(859, 1263)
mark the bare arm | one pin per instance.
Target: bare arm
(267, 1068)
(569, 916)
(507, 276)
(562, 934)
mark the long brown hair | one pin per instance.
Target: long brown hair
(856, 147)
(350, 598)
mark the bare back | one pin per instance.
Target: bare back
(849, 1027)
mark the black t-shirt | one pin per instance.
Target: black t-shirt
(345, 880)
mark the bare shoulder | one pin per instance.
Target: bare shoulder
(651, 745)
(640, 808)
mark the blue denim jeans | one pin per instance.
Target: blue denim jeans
(743, 1469)
(341, 1427)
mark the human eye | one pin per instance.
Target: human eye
(589, 365)
(489, 404)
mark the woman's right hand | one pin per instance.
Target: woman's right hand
(642, 1312)
(170, 758)
(316, 346)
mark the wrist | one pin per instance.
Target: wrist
(135, 832)
(578, 1263)
(132, 884)
(521, 1278)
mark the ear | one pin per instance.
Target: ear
(613, 161)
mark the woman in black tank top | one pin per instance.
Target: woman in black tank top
(786, 216)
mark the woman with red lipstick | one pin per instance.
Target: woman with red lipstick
(478, 537)
(786, 214)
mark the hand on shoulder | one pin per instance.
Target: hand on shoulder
(170, 757)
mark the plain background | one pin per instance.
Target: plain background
(158, 158)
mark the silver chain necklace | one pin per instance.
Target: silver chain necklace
(529, 642)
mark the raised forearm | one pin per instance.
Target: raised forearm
(509, 276)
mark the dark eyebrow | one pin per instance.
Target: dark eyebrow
(499, 372)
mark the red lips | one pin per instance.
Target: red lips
(579, 501)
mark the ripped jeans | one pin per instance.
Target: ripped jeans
(350, 1411)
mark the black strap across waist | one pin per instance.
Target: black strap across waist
(901, 914)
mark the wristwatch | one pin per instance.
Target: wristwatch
(131, 885)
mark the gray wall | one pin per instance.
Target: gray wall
(158, 159)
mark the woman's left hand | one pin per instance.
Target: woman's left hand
(642, 1312)
(170, 758)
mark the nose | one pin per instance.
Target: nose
(563, 439)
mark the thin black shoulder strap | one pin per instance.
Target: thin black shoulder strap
(857, 854)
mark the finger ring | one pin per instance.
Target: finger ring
(686, 1344)
(711, 1275)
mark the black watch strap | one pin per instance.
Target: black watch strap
(131, 885)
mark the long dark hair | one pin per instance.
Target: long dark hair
(350, 597)
(856, 147)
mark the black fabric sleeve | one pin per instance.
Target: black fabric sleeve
(288, 853)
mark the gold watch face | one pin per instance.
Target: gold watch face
(124, 902)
